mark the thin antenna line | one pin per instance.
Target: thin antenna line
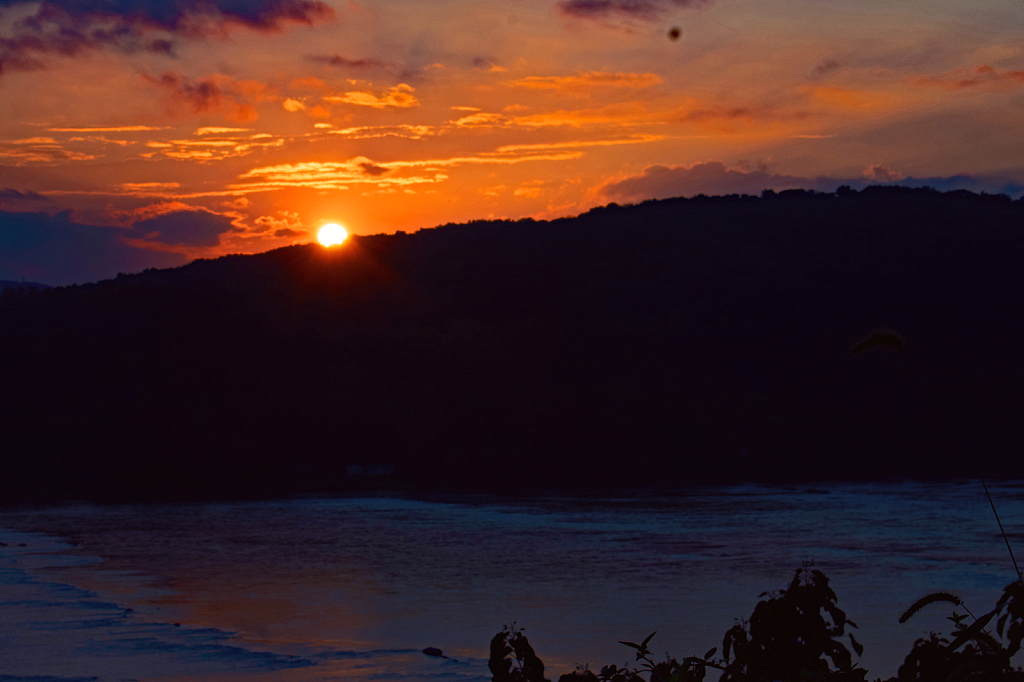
(1020, 578)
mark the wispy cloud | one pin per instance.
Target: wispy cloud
(573, 144)
(144, 188)
(213, 130)
(980, 77)
(399, 97)
(618, 115)
(483, 119)
(328, 175)
(106, 129)
(37, 151)
(588, 81)
(362, 171)
(412, 132)
(849, 99)
(212, 148)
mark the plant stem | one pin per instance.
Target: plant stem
(1020, 578)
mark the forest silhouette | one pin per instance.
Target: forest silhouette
(707, 339)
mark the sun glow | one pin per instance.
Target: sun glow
(332, 234)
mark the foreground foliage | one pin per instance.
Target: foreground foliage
(798, 635)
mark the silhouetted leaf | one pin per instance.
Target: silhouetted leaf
(857, 646)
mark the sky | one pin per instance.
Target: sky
(146, 133)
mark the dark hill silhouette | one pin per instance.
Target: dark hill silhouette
(679, 340)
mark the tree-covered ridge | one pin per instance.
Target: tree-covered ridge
(702, 339)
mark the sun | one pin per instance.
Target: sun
(331, 234)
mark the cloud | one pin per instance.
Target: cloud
(483, 63)
(338, 60)
(199, 94)
(183, 15)
(399, 97)
(715, 178)
(370, 168)
(573, 144)
(588, 81)
(16, 195)
(339, 175)
(37, 151)
(982, 77)
(212, 93)
(71, 27)
(103, 129)
(148, 188)
(326, 175)
(57, 251)
(288, 225)
(213, 130)
(827, 67)
(212, 148)
(411, 132)
(483, 119)
(644, 10)
(879, 173)
(617, 115)
(183, 228)
(848, 99)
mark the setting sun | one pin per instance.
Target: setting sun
(331, 234)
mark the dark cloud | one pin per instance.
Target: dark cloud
(975, 183)
(827, 67)
(200, 95)
(70, 27)
(183, 228)
(289, 232)
(9, 194)
(714, 178)
(186, 17)
(373, 169)
(645, 10)
(338, 60)
(57, 251)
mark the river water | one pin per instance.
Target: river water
(355, 587)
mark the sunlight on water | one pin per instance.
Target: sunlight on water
(356, 587)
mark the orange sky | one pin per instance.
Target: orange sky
(182, 131)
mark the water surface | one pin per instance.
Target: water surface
(355, 587)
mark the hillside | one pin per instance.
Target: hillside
(671, 341)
